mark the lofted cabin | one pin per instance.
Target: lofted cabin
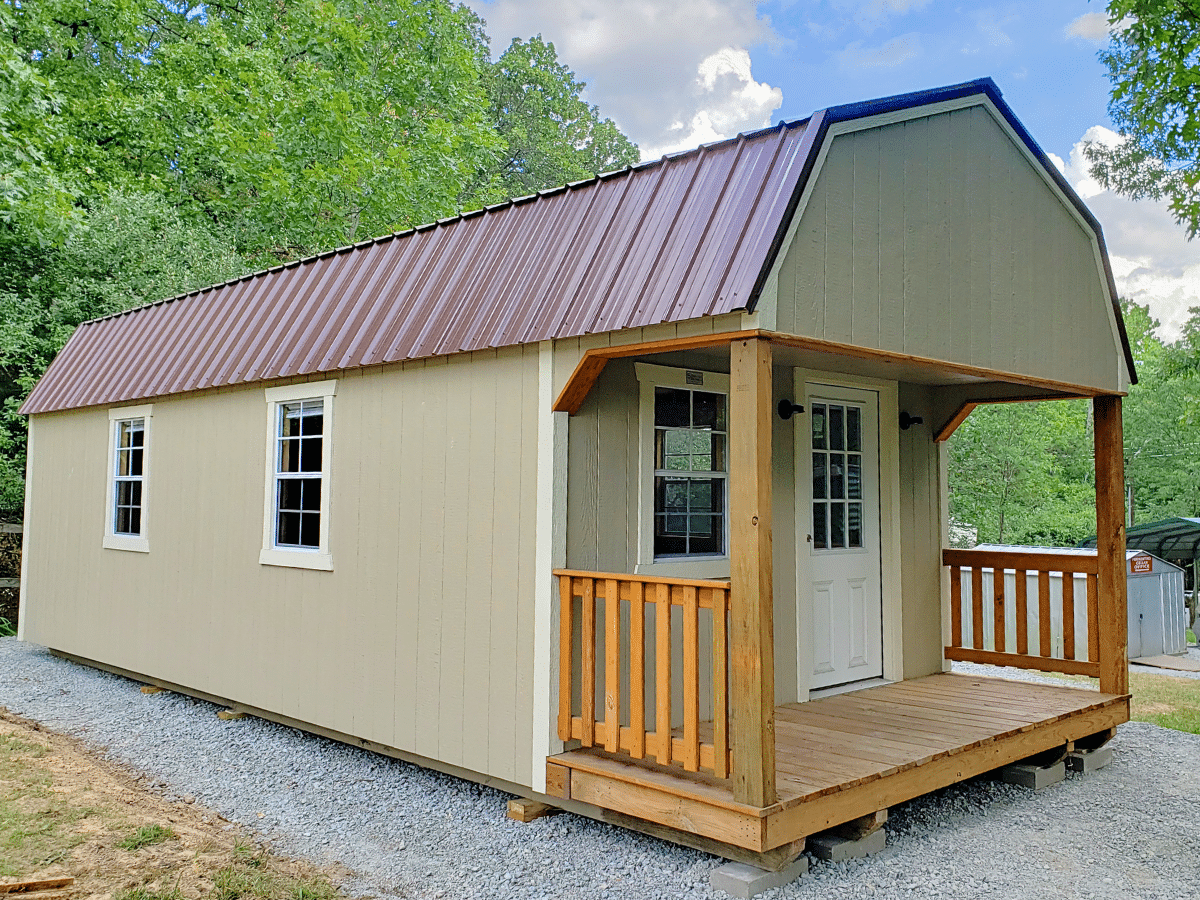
(629, 496)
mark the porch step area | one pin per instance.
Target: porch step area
(842, 757)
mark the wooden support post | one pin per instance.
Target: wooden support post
(752, 643)
(1110, 545)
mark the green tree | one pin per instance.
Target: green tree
(1153, 63)
(551, 136)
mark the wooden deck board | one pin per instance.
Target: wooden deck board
(851, 754)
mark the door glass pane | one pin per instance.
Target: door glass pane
(837, 476)
(853, 428)
(820, 540)
(818, 426)
(854, 525)
(819, 476)
(837, 524)
(853, 476)
(836, 430)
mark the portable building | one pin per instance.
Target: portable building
(1156, 616)
(630, 495)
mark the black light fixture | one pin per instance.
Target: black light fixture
(907, 421)
(787, 409)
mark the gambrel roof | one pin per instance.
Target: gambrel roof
(690, 235)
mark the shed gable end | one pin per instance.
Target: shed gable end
(938, 237)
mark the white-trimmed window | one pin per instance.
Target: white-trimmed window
(685, 469)
(126, 510)
(296, 520)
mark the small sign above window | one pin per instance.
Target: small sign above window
(695, 377)
(1141, 565)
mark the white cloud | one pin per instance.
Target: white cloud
(731, 101)
(991, 26)
(870, 14)
(1153, 262)
(665, 72)
(1091, 26)
(895, 52)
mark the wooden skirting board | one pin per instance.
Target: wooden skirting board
(845, 757)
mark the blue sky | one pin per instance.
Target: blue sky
(676, 74)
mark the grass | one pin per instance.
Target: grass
(7, 629)
(145, 836)
(36, 825)
(244, 881)
(1164, 700)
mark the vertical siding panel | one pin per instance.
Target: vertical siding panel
(460, 433)
(866, 236)
(522, 718)
(435, 404)
(347, 690)
(954, 187)
(918, 227)
(807, 306)
(409, 395)
(937, 309)
(477, 546)
(505, 567)
(982, 226)
(839, 283)
(891, 243)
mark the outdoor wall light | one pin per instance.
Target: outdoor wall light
(787, 409)
(907, 421)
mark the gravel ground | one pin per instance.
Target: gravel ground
(1132, 829)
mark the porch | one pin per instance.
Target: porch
(843, 757)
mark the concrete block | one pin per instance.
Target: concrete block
(741, 880)
(1034, 777)
(836, 848)
(1088, 761)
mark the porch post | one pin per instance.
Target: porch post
(1110, 545)
(752, 643)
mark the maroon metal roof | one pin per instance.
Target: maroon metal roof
(678, 238)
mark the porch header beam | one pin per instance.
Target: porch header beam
(751, 601)
(1110, 545)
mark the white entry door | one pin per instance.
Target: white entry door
(843, 534)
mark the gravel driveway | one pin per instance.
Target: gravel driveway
(1131, 830)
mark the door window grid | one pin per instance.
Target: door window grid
(127, 476)
(690, 435)
(837, 488)
(298, 474)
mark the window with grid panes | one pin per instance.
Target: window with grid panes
(129, 459)
(837, 490)
(690, 470)
(298, 474)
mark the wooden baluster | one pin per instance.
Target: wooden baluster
(1044, 614)
(565, 631)
(977, 607)
(998, 618)
(720, 705)
(691, 680)
(1093, 618)
(588, 662)
(662, 683)
(1068, 614)
(956, 635)
(612, 666)
(1022, 611)
(637, 669)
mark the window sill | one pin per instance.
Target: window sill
(297, 559)
(126, 542)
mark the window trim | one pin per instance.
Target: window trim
(321, 557)
(649, 377)
(139, 543)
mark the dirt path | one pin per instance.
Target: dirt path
(64, 811)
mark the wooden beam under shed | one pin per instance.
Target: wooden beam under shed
(751, 601)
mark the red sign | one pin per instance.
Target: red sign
(1140, 565)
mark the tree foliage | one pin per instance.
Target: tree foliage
(150, 147)
(1153, 63)
(1023, 473)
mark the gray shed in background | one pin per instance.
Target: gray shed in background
(1157, 615)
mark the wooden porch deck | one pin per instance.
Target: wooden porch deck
(847, 756)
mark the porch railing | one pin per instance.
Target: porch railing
(639, 616)
(1024, 610)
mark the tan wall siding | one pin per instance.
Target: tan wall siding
(937, 238)
(422, 636)
(921, 529)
